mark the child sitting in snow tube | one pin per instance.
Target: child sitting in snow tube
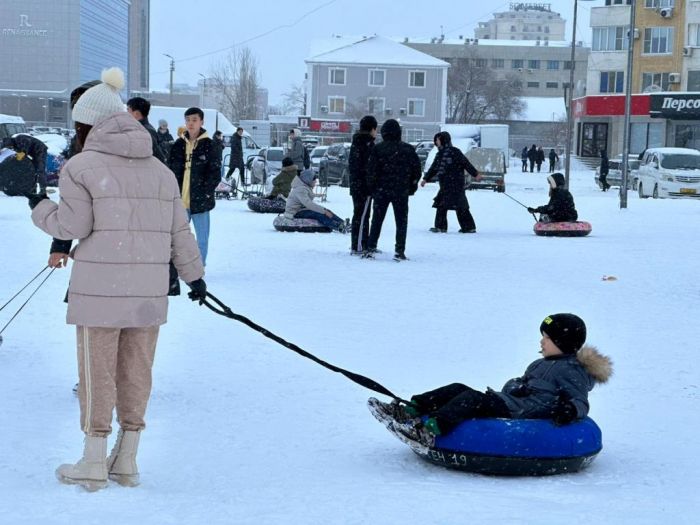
(300, 204)
(439, 424)
(560, 207)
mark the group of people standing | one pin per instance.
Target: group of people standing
(535, 157)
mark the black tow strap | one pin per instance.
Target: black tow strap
(357, 378)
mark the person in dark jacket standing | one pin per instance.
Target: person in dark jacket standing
(449, 166)
(195, 159)
(165, 139)
(362, 145)
(523, 158)
(540, 158)
(236, 160)
(532, 157)
(139, 108)
(560, 207)
(604, 169)
(553, 387)
(393, 172)
(553, 159)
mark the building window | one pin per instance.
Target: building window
(609, 38)
(533, 64)
(480, 62)
(612, 81)
(513, 29)
(567, 64)
(516, 84)
(336, 76)
(416, 107)
(546, 29)
(658, 3)
(694, 35)
(693, 80)
(336, 104)
(416, 79)
(533, 84)
(617, 2)
(654, 82)
(552, 65)
(658, 40)
(498, 63)
(517, 64)
(552, 85)
(377, 77)
(375, 105)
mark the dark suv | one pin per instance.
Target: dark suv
(333, 168)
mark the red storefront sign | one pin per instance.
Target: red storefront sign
(330, 126)
(610, 106)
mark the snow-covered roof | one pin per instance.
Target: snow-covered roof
(373, 50)
(485, 42)
(11, 119)
(543, 109)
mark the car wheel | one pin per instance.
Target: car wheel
(655, 193)
(641, 191)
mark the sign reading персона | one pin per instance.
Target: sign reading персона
(681, 106)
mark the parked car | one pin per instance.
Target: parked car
(669, 172)
(491, 165)
(266, 165)
(422, 150)
(316, 155)
(615, 172)
(333, 168)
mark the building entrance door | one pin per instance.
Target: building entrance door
(594, 139)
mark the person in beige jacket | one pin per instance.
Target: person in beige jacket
(125, 208)
(300, 203)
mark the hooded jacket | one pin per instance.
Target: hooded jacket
(282, 183)
(362, 146)
(124, 206)
(561, 207)
(449, 166)
(301, 197)
(570, 376)
(393, 169)
(296, 150)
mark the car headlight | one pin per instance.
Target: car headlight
(668, 178)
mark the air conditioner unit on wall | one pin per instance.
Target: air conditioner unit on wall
(666, 12)
(674, 78)
(324, 109)
(687, 51)
(402, 111)
(388, 111)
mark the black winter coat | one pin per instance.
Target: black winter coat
(205, 170)
(362, 146)
(449, 166)
(393, 169)
(604, 165)
(236, 150)
(532, 154)
(540, 156)
(560, 207)
(157, 151)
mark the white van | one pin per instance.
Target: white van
(669, 172)
(11, 125)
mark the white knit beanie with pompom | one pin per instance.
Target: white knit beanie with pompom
(102, 100)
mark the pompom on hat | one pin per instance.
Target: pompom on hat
(102, 100)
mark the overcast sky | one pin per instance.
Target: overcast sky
(198, 34)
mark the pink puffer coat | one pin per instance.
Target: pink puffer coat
(124, 205)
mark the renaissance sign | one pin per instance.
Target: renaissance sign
(682, 106)
(25, 29)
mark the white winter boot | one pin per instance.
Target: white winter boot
(121, 463)
(91, 470)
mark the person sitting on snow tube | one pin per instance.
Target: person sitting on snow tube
(301, 205)
(560, 207)
(282, 183)
(554, 387)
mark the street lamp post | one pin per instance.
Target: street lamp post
(628, 104)
(172, 70)
(203, 90)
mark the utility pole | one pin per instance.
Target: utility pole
(202, 92)
(628, 104)
(569, 108)
(172, 70)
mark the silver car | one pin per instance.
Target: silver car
(266, 165)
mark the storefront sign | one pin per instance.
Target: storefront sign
(683, 106)
(330, 126)
(25, 29)
(610, 106)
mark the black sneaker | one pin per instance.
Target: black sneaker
(400, 256)
(437, 230)
(468, 231)
(369, 253)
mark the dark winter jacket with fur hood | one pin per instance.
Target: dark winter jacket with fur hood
(393, 170)
(449, 166)
(561, 207)
(569, 376)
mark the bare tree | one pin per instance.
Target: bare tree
(236, 79)
(474, 94)
(294, 100)
(555, 134)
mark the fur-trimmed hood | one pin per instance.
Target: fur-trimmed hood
(598, 366)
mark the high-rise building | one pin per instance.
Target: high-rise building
(523, 21)
(49, 48)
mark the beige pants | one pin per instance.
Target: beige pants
(114, 366)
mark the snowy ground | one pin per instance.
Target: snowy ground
(241, 430)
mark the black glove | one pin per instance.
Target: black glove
(563, 412)
(35, 198)
(199, 290)
(531, 210)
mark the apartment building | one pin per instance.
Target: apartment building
(523, 21)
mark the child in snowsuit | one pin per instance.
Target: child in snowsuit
(554, 387)
(561, 207)
(282, 183)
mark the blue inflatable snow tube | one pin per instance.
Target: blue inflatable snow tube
(518, 447)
